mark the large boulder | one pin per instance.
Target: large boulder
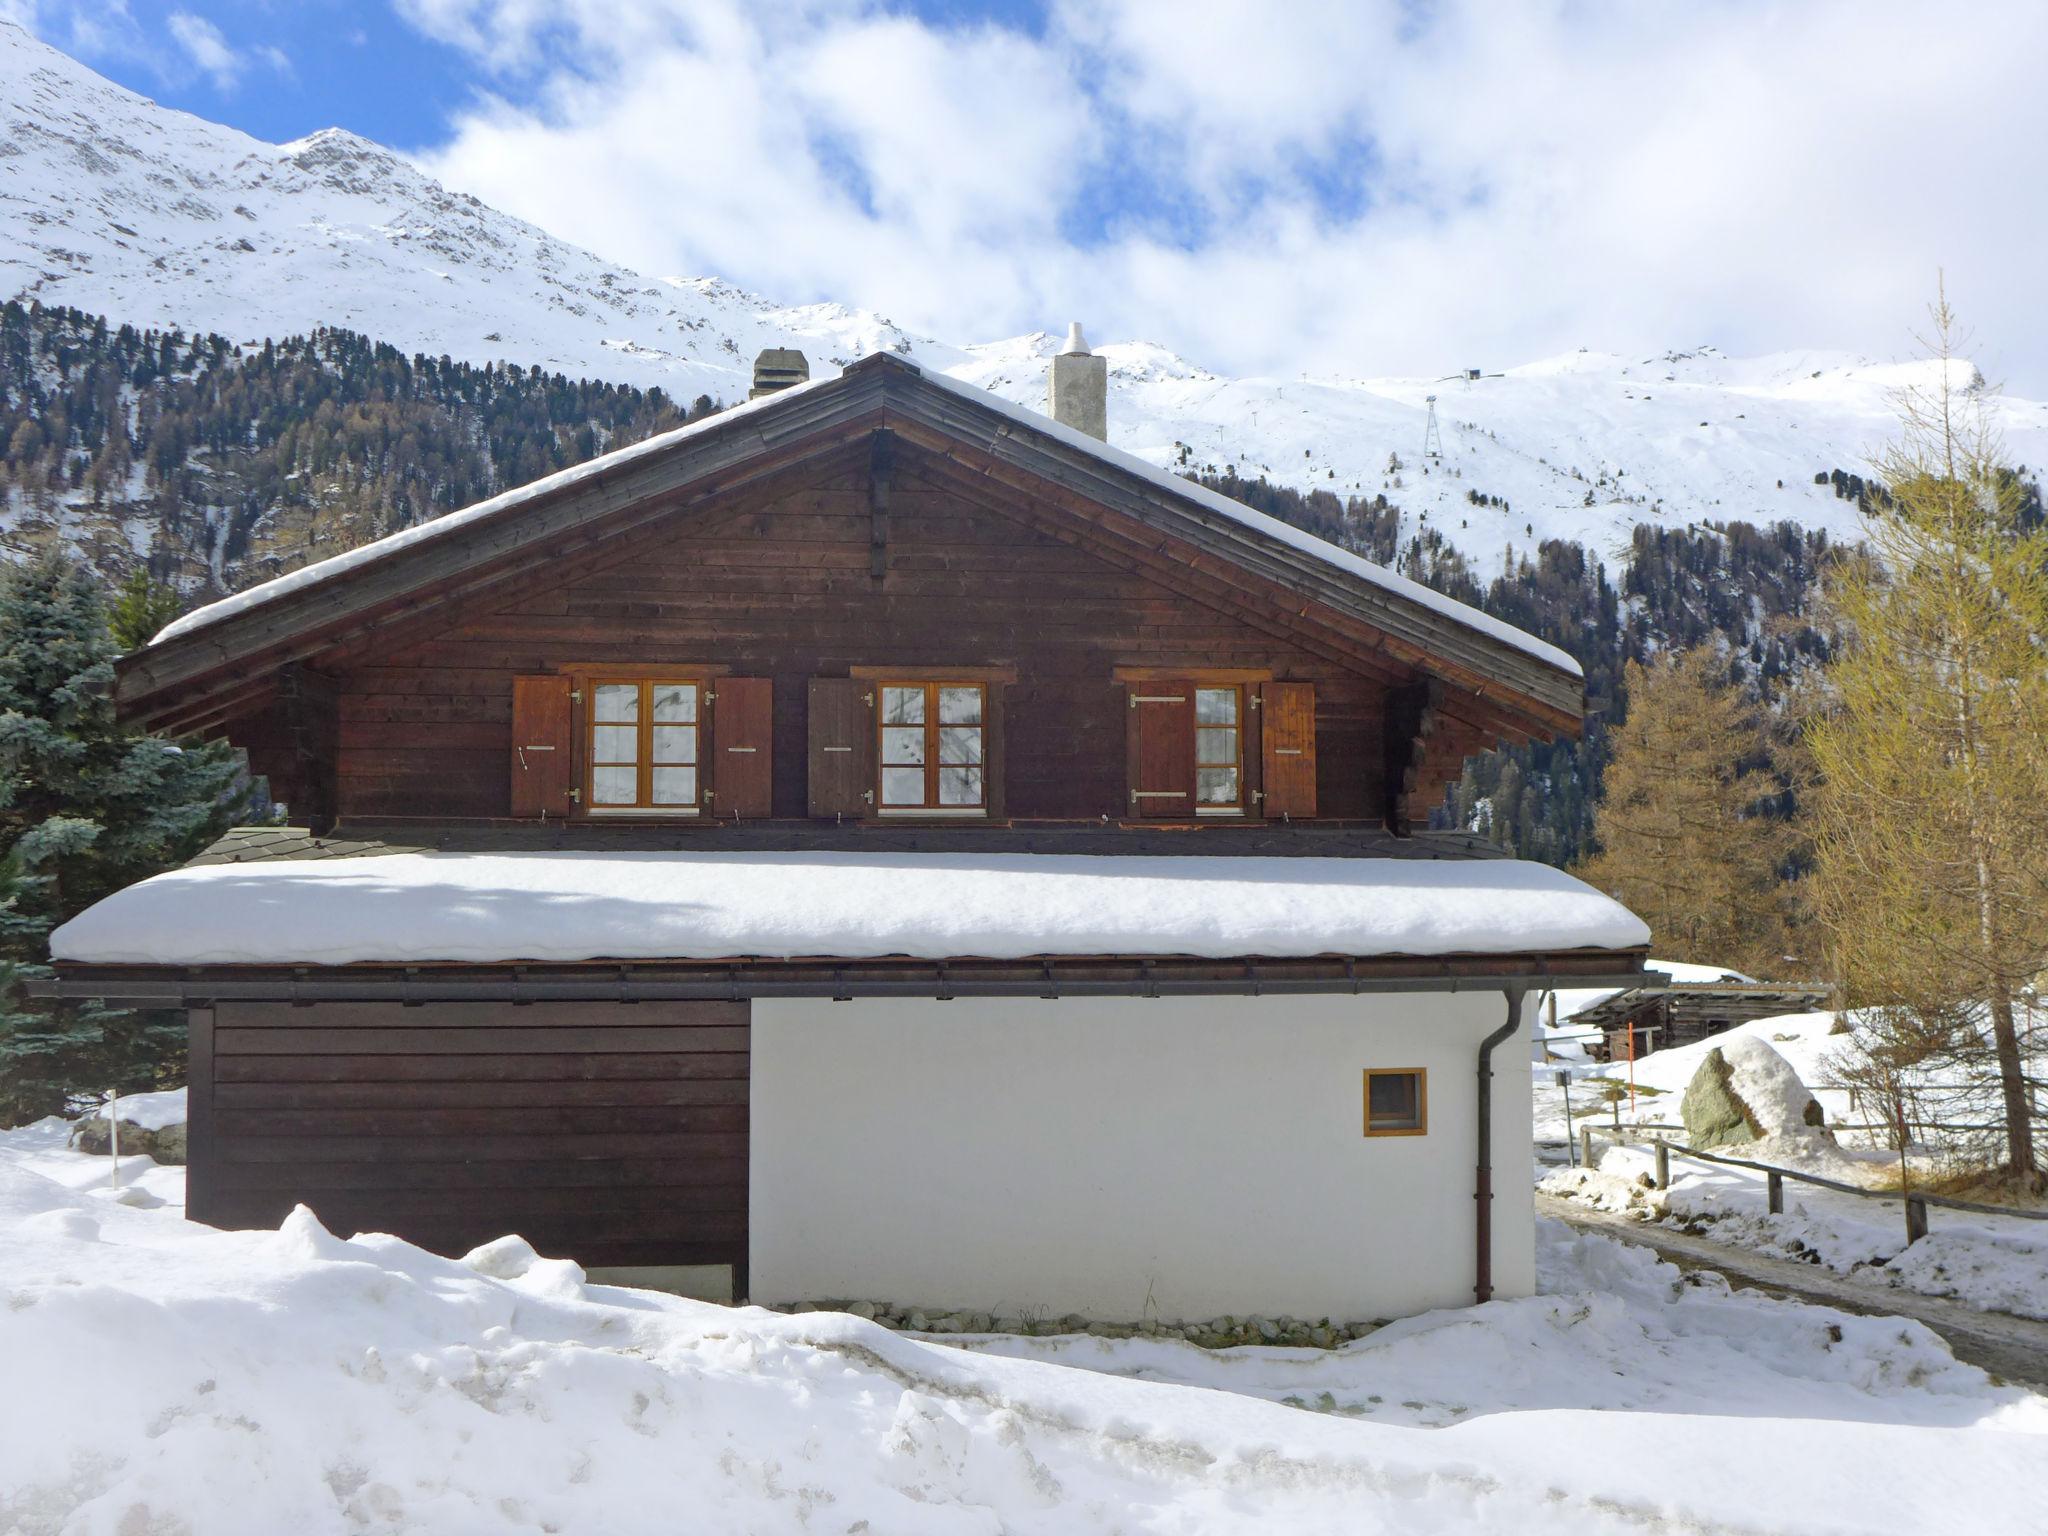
(164, 1143)
(1744, 1091)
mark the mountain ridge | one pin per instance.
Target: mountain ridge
(119, 206)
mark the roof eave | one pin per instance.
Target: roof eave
(1049, 976)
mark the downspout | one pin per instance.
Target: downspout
(1483, 1192)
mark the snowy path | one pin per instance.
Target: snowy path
(2014, 1348)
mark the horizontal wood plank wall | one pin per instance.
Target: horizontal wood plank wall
(784, 587)
(599, 1132)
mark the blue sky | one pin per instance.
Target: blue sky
(1335, 186)
(355, 64)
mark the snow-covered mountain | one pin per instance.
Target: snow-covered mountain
(119, 206)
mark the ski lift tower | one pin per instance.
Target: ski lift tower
(1432, 439)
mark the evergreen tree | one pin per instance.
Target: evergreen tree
(85, 808)
(1684, 831)
(1932, 848)
(142, 607)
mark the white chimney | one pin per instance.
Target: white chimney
(1077, 387)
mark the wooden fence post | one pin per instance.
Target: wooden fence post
(1774, 1192)
(1663, 1163)
(1916, 1219)
(1586, 1146)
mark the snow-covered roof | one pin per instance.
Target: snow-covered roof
(1343, 560)
(566, 907)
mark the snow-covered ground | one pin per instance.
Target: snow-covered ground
(116, 205)
(163, 1377)
(1995, 1263)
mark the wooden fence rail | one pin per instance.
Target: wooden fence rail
(1916, 1202)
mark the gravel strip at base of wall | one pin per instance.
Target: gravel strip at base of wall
(1213, 1333)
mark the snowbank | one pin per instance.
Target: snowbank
(150, 1111)
(569, 907)
(162, 1376)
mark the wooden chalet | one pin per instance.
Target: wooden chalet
(883, 615)
(1670, 1013)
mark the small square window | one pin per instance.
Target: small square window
(1396, 1101)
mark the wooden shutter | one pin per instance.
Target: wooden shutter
(1161, 749)
(1287, 741)
(842, 746)
(543, 747)
(743, 747)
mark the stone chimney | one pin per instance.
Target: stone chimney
(1077, 388)
(776, 369)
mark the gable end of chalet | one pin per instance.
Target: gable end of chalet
(961, 596)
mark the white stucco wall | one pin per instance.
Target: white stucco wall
(1128, 1157)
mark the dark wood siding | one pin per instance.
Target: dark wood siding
(781, 586)
(601, 1133)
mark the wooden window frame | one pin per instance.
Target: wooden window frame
(643, 808)
(1241, 806)
(1421, 1126)
(931, 684)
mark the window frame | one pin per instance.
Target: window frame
(1237, 728)
(1421, 1125)
(644, 806)
(931, 686)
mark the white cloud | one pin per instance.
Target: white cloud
(1516, 180)
(205, 47)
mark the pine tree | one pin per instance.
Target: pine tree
(1684, 831)
(86, 807)
(142, 607)
(1932, 849)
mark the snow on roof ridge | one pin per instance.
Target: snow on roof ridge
(1286, 533)
(573, 907)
